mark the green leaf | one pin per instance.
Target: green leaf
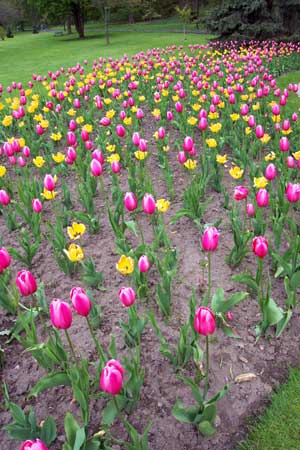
(247, 280)
(218, 396)
(295, 280)
(283, 322)
(233, 300)
(48, 431)
(206, 428)
(185, 415)
(109, 413)
(17, 413)
(272, 313)
(79, 439)
(71, 428)
(217, 300)
(49, 381)
(131, 225)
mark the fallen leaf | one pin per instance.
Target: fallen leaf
(243, 377)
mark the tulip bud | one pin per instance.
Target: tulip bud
(26, 283)
(71, 138)
(4, 198)
(96, 168)
(4, 259)
(136, 139)
(187, 144)
(98, 155)
(204, 322)
(240, 193)
(127, 296)
(37, 205)
(290, 162)
(250, 210)
(284, 144)
(271, 171)
(116, 167)
(292, 193)
(144, 263)
(111, 378)
(120, 131)
(262, 198)
(49, 182)
(60, 314)
(259, 131)
(37, 444)
(181, 157)
(130, 201)
(148, 204)
(260, 246)
(210, 239)
(161, 133)
(80, 301)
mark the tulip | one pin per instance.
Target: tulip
(37, 444)
(260, 246)
(202, 125)
(96, 168)
(4, 259)
(49, 182)
(259, 131)
(161, 133)
(204, 321)
(181, 157)
(71, 138)
(144, 263)
(26, 283)
(136, 139)
(143, 145)
(130, 201)
(210, 239)
(111, 378)
(80, 301)
(292, 193)
(4, 198)
(250, 210)
(37, 205)
(240, 193)
(148, 204)
(98, 155)
(290, 162)
(120, 131)
(284, 144)
(187, 144)
(262, 198)
(127, 296)
(60, 314)
(271, 171)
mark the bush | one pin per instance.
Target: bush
(2, 33)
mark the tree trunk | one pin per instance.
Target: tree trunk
(69, 25)
(77, 13)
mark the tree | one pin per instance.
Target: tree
(10, 14)
(258, 19)
(185, 15)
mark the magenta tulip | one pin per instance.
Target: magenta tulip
(4, 198)
(188, 144)
(271, 171)
(262, 198)
(120, 131)
(148, 203)
(250, 210)
(49, 182)
(260, 246)
(210, 239)
(144, 263)
(181, 157)
(111, 378)
(116, 167)
(71, 138)
(26, 283)
(37, 205)
(4, 259)
(80, 301)
(33, 445)
(127, 296)
(130, 201)
(60, 314)
(240, 193)
(96, 168)
(292, 193)
(290, 162)
(284, 144)
(204, 321)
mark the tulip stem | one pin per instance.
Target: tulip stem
(104, 193)
(71, 346)
(97, 343)
(209, 275)
(207, 367)
(140, 229)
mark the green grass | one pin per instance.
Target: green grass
(27, 53)
(293, 103)
(279, 427)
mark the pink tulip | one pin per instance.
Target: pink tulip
(80, 301)
(161, 133)
(204, 321)
(271, 171)
(37, 205)
(251, 121)
(139, 114)
(116, 167)
(293, 192)
(26, 283)
(290, 162)
(96, 168)
(276, 110)
(71, 154)
(98, 155)
(240, 193)
(260, 246)
(84, 135)
(127, 296)
(143, 145)
(49, 182)
(250, 210)
(259, 131)
(188, 144)
(33, 445)
(202, 125)
(130, 201)
(111, 378)
(120, 131)
(72, 126)
(148, 203)
(144, 263)
(4, 259)
(136, 139)
(71, 138)
(181, 157)
(210, 239)
(284, 144)
(60, 314)
(262, 198)
(4, 198)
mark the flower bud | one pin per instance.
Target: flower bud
(210, 239)
(144, 263)
(148, 204)
(26, 283)
(60, 314)
(204, 321)
(260, 246)
(130, 201)
(111, 378)
(127, 296)
(80, 301)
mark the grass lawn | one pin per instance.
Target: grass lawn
(279, 427)
(27, 53)
(293, 103)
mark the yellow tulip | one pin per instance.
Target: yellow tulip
(74, 253)
(125, 265)
(76, 230)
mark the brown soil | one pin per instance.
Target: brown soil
(267, 359)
